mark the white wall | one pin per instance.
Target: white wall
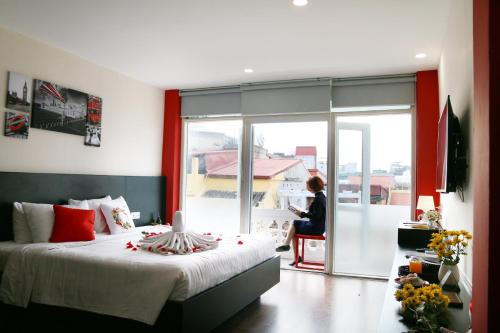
(455, 79)
(132, 116)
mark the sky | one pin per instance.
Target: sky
(16, 83)
(390, 137)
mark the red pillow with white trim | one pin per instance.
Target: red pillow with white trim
(72, 225)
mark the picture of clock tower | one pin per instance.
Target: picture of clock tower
(19, 92)
(25, 93)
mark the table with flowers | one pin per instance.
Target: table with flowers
(391, 319)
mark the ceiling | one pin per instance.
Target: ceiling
(202, 43)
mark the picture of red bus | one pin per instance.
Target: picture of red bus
(94, 109)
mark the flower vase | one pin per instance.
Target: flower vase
(454, 276)
(430, 224)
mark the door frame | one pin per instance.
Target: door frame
(247, 154)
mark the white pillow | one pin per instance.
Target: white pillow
(22, 232)
(118, 216)
(80, 205)
(40, 219)
(99, 221)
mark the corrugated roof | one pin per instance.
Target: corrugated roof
(316, 172)
(214, 159)
(400, 198)
(262, 168)
(305, 151)
(386, 181)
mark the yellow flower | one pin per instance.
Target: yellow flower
(408, 286)
(399, 295)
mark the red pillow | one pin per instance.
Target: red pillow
(72, 225)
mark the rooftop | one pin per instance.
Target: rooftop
(305, 151)
(262, 168)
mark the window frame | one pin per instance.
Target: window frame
(246, 153)
(184, 150)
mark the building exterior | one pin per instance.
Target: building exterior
(308, 155)
(218, 177)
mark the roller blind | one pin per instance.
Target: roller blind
(300, 96)
(211, 102)
(360, 92)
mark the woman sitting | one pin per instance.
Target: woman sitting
(316, 216)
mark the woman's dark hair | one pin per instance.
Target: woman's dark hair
(316, 184)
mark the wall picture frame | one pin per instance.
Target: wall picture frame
(57, 108)
(19, 92)
(16, 125)
(93, 122)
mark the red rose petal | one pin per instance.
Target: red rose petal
(240, 242)
(134, 249)
(218, 239)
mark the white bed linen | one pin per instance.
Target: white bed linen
(6, 248)
(102, 276)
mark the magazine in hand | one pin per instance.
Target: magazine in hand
(295, 209)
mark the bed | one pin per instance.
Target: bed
(149, 291)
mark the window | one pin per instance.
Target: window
(211, 200)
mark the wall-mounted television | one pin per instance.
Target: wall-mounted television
(451, 165)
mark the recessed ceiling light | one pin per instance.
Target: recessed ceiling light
(248, 70)
(300, 3)
(420, 55)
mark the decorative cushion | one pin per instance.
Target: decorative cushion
(22, 232)
(117, 215)
(72, 225)
(99, 223)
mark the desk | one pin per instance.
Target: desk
(390, 320)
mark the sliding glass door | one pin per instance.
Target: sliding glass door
(285, 152)
(241, 175)
(373, 190)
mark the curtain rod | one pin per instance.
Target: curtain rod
(236, 87)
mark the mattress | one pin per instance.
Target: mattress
(103, 276)
(6, 248)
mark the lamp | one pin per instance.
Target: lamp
(425, 203)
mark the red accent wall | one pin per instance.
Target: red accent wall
(427, 118)
(486, 178)
(171, 161)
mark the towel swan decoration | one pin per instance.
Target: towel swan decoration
(178, 241)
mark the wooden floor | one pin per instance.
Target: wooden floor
(312, 302)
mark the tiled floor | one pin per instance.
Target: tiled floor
(313, 302)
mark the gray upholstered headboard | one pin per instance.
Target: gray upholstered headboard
(143, 194)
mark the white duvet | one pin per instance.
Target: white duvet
(103, 276)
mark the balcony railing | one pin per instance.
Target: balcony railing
(275, 222)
